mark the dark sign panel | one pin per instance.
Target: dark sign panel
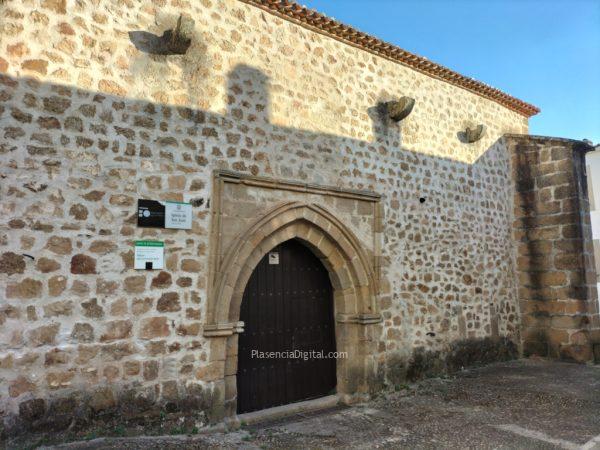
(150, 214)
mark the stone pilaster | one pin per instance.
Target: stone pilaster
(555, 262)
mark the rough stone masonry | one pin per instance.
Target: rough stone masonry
(271, 117)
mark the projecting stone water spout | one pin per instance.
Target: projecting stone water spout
(172, 42)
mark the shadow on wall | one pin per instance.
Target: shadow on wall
(102, 142)
(191, 72)
(166, 55)
(248, 92)
(385, 130)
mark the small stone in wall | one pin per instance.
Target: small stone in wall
(82, 332)
(61, 308)
(119, 307)
(168, 302)
(111, 87)
(11, 263)
(118, 329)
(150, 370)
(40, 226)
(9, 312)
(44, 335)
(121, 200)
(46, 265)
(184, 282)
(80, 288)
(16, 223)
(106, 287)
(191, 265)
(78, 212)
(74, 124)
(59, 245)
(175, 346)
(192, 313)
(85, 353)
(141, 305)
(155, 348)
(36, 150)
(83, 264)
(56, 285)
(65, 28)
(6, 362)
(57, 380)
(55, 357)
(13, 132)
(84, 142)
(102, 399)
(92, 310)
(111, 373)
(36, 65)
(162, 280)
(93, 196)
(143, 121)
(177, 182)
(197, 185)
(103, 247)
(192, 329)
(26, 289)
(48, 123)
(31, 410)
(153, 182)
(154, 327)
(57, 6)
(20, 385)
(57, 105)
(27, 242)
(118, 350)
(195, 297)
(21, 116)
(135, 284)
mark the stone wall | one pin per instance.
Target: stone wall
(90, 122)
(558, 295)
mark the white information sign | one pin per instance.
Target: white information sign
(274, 258)
(149, 255)
(178, 215)
(595, 219)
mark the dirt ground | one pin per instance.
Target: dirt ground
(531, 404)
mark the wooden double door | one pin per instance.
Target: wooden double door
(287, 310)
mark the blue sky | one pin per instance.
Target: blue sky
(546, 52)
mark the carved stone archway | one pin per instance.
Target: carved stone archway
(352, 276)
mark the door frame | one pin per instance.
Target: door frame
(352, 273)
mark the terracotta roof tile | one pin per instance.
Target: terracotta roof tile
(316, 21)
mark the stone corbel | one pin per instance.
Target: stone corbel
(362, 319)
(473, 134)
(223, 329)
(172, 42)
(398, 110)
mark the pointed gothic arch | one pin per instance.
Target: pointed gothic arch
(352, 275)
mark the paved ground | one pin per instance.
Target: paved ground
(529, 404)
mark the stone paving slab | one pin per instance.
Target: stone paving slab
(533, 404)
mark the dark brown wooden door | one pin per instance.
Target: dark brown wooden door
(286, 306)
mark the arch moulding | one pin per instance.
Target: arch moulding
(353, 271)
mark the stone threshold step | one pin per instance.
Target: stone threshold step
(279, 412)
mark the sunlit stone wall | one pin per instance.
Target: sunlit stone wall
(90, 121)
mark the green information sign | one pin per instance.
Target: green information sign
(149, 255)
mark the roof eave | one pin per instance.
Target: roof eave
(315, 21)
